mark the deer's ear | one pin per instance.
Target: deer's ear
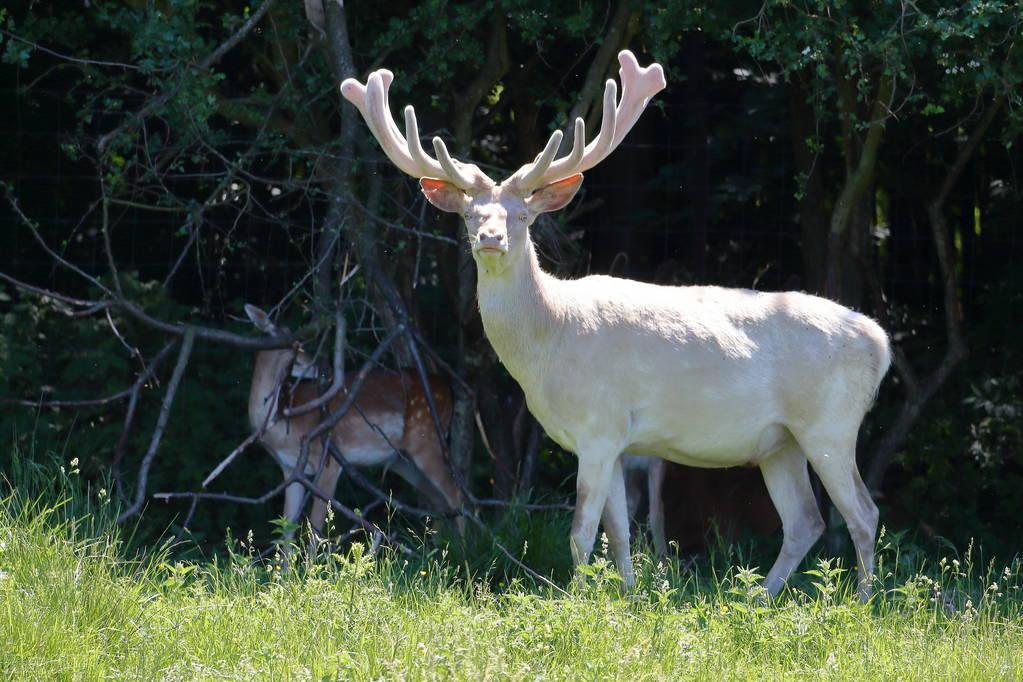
(555, 195)
(444, 195)
(259, 318)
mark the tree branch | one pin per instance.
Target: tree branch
(609, 48)
(161, 425)
(213, 58)
(856, 182)
(129, 414)
(920, 393)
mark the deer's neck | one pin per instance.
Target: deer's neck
(520, 315)
(266, 383)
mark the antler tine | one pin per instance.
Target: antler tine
(452, 171)
(532, 173)
(575, 157)
(605, 142)
(427, 166)
(639, 84)
(373, 109)
(582, 157)
(386, 78)
(406, 152)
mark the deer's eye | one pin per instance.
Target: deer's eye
(523, 216)
(467, 216)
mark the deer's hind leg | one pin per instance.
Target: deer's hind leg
(833, 457)
(788, 484)
(655, 514)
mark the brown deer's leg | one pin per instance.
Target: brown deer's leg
(326, 483)
(429, 460)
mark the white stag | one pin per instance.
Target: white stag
(699, 375)
(389, 419)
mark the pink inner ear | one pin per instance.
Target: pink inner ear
(443, 195)
(556, 195)
(432, 184)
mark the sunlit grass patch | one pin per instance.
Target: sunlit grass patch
(73, 605)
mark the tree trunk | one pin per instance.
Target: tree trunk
(861, 164)
(339, 51)
(613, 41)
(919, 392)
(340, 215)
(813, 218)
(472, 348)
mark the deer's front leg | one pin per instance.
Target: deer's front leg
(592, 484)
(326, 483)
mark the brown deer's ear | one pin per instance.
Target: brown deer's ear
(555, 195)
(444, 195)
(260, 319)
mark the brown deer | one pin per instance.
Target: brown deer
(698, 375)
(389, 421)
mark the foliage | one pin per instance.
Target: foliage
(998, 407)
(89, 361)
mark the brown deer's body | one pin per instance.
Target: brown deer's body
(389, 421)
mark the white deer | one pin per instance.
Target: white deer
(389, 418)
(699, 375)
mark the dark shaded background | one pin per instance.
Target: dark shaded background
(706, 188)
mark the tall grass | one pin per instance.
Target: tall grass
(74, 605)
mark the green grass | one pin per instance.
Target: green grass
(73, 606)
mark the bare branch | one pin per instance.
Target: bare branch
(129, 415)
(161, 425)
(68, 57)
(253, 437)
(338, 380)
(528, 506)
(920, 393)
(395, 226)
(353, 391)
(363, 482)
(108, 248)
(34, 229)
(46, 293)
(514, 559)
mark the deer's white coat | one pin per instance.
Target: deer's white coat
(700, 375)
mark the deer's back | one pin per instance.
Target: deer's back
(390, 412)
(389, 407)
(701, 375)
